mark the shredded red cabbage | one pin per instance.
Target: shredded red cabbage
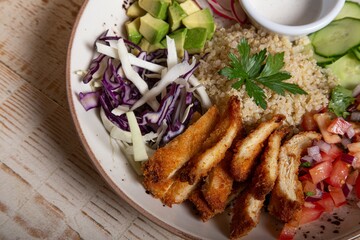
(176, 106)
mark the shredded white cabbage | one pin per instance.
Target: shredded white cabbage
(172, 58)
(133, 76)
(113, 52)
(119, 134)
(171, 75)
(204, 97)
(119, 110)
(138, 143)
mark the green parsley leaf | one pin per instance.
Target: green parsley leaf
(259, 69)
(341, 99)
(309, 194)
(305, 164)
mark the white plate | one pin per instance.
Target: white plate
(94, 18)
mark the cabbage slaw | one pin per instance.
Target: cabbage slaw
(145, 99)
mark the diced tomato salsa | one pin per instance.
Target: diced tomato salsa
(327, 181)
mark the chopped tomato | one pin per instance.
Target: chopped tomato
(338, 126)
(320, 171)
(311, 214)
(351, 179)
(334, 153)
(326, 202)
(288, 232)
(323, 120)
(308, 122)
(339, 173)
(357, 187)
(337, 195)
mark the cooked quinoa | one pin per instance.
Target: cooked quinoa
(298, 61)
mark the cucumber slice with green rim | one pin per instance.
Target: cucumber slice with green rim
(323, 61)
(320, 60)
(337, 38)
(347, 70)
(350, 9)
(357, 53)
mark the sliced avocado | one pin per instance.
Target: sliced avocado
(190, 7)
(180, 1)
(132, 29)
(179, 38)
(153, 29)
(157, 8)
(155, 46)
(195, 40)
(144, 45)
(135, 10)
(176, 14)
(201, 19)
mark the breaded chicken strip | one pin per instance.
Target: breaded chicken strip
(178, 192)
(218, 184)
(248, 149)
(247, 208)
(245, 214)
(216, 145)
(287, 196)
(266, 172)
(202, 206)
(162, 166)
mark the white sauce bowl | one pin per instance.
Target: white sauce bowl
(293, 18)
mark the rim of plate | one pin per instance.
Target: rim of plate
(87, 147)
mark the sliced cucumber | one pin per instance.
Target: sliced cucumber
(323, 61)
(350, 9)
(347, 70)
(320, 60)
(337, 38)
(357, 52)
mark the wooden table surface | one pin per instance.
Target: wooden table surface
(48, 186)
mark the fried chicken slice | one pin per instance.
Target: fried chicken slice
(245, 214)
(202, 206)
(162, 166)
(218, 184)
(216, 145)
(266, 172)
(248, 149)
(178, 192)
(287, 196)
(247, 208)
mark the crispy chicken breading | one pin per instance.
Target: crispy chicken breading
(287, 194)
(218, 184)
(245, 215)
(178, 192)
(214, 149)
(247, 208)
(202, 206)
(162, 166)
(266, 172)
(216, 145)
(248, 149)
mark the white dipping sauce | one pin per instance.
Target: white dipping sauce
(289, 12)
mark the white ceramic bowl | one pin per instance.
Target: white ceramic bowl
(287, 17)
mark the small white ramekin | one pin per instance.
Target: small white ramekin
(330, 9)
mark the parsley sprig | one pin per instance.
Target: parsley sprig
(259, 69)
